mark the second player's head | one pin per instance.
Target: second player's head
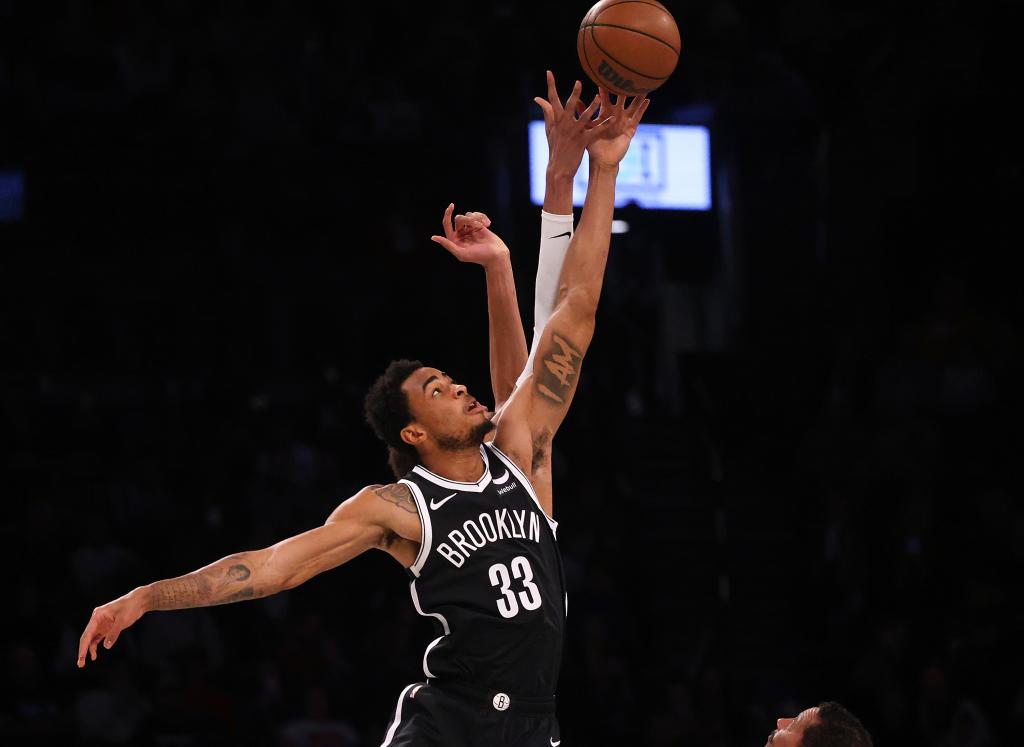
(825, 725)
(416, 410)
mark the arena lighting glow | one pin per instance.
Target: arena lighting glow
(12, 196)
(620, 226)
(668, 167)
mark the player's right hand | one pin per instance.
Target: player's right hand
(469, 239)
(106, 625)
(566, 127)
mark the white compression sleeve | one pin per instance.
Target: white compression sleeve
(555, 234)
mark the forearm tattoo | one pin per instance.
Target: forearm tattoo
(560, 370)
(223, 582)
(398, 494)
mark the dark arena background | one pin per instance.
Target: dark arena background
(791, 474)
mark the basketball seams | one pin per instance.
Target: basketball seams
(583, 45)
(659, 6)
(635, 31)
(593, 38)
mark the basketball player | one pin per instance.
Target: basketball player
(825, 725)
(476, 538)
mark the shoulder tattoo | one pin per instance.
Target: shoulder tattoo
(560, 369)
(398, 494)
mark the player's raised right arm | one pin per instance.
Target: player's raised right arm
(568, 333)
(357, 525)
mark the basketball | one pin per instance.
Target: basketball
(629, 47)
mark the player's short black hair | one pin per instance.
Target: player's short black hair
(387, 412)
(836, 727)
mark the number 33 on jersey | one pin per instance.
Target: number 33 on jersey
(530, 597)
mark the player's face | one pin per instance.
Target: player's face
(444, 408)
(790, 731)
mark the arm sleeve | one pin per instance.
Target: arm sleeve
(555, 235)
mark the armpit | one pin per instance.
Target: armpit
(541, 450)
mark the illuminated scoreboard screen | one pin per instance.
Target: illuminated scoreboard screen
(668, 167)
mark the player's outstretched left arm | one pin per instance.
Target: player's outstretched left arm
(469, 239)
(375, 517)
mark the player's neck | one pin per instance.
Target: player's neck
(464, 465)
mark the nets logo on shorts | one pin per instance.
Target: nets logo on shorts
(501, 702)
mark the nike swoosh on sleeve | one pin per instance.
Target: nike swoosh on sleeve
(501, 480)
(567, 233)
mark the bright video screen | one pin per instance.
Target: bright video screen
(668, 167)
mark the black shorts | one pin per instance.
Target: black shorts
(456, 715)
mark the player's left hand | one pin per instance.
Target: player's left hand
(469, 239)
(107, 623)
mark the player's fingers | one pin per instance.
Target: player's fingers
(111, 639)
(570, 103)
(549, 113)
(588, 114)
(553, 100)
(88, 636)
(635, 119)
(451, 246)
(470, 217)
(635, 104)
(446, 222)
(92, 648)
(83, 656)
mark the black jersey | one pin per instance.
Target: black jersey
(490, 574)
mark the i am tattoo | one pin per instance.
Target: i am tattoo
(560, 371)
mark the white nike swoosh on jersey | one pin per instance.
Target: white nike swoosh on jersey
(501, 480)
(554, 743)
(436, 505)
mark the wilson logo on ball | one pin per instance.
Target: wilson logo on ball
(614, 80)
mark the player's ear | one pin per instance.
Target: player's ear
(412, 434)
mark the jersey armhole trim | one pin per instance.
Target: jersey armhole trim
(425, 528)
(419, 610)
(398, 717)
(525, 481)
